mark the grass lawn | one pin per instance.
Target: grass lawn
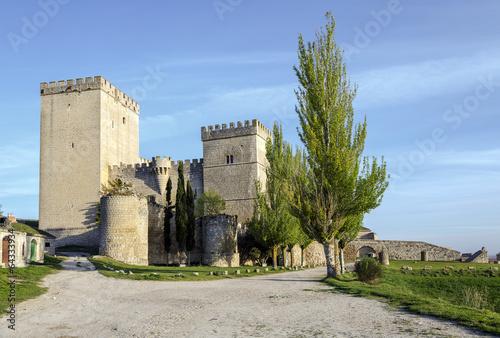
(26, 281)
(168, 273)
(471, 297)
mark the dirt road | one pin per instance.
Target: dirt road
(295, 304)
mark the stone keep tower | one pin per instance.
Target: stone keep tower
(233, 158)
(85, 127)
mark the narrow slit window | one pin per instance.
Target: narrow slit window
(227, 159)
(123, 120)
(232, 158)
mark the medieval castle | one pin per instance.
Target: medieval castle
(90, 135)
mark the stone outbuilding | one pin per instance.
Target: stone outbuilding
(21, 247)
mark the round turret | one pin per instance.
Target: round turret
(124, 229)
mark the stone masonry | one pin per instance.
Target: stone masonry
(86, 126)
(90, 135)
(124, 236)
(220, 247)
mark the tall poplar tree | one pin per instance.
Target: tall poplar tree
(168, 214)
(180, 212)
(335, 181)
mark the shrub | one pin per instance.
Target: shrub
(368, 270)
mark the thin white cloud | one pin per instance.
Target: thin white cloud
(14, 156)
(411, 82)
(228, 105)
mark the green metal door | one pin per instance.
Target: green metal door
(33, 245)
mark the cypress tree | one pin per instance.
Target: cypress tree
(167, 240)
(191, 221)
(180, 212)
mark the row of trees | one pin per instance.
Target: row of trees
(186, 212)
(322, 192)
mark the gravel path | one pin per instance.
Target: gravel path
(292, 304)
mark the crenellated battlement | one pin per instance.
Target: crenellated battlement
(159, 165)
(241, 129)
(98, 82)
(194, 164)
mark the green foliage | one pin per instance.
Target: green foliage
(334, 181)
(25, 228)
(168, 214)
(453, 294)
(272, 223)
(191, 220)
(181, 210)
(350, 230)
(368, 270)
(31, 222)
(98, 214)
(210, 203)
(117, 187)
(250, 249)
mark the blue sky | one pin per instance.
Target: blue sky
(428, 77)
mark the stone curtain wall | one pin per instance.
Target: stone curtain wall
(124, 225)
(220, 244)
(314, 254)
(149, 178)
(402, 250)
(156, 249)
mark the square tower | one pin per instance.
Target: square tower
(233, 158)
(85, 127)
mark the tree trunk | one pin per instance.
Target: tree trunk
(332, 258)
(302, 256)
(180, 258)
(167, 258)
(189, 258)
(341, 260)
(275, 257)
(291, 257)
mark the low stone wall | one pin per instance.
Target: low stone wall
(400, 250)
(84, 236)
(221, 259)
(124, 225)
(314, 254)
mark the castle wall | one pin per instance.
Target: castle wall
(156, 246)
(220, 243)
(124, 224)
(243, 146)
(140, 175)
(79, 137)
